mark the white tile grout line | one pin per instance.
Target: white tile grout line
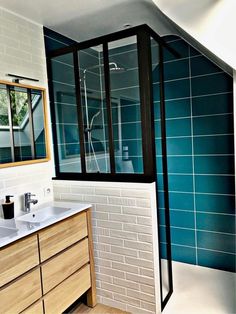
(192, 142)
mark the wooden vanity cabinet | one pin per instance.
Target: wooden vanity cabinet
(48, 271)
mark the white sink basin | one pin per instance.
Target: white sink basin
(6, 232)
(43, 214)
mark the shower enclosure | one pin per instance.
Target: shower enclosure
(102, 95)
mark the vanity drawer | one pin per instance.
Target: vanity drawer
(61, 235)
(22, 293)
(18, 258)
(36, 308)
(61, 297)
(65, 264)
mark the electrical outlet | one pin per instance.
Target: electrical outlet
(47, 191)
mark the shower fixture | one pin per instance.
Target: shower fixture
(114, 68)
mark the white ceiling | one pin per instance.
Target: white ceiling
(85, 19)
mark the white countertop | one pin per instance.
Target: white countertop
(26, 228)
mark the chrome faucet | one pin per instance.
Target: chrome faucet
(28, 200)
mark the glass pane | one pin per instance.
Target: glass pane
(125, 101)
(94, 110)
(163, 227)
(38, 124)
(5, 148)
(21, 123)
(66, 113)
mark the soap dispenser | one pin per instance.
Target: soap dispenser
(8, 208)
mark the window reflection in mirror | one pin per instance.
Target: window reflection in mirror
(22, 125)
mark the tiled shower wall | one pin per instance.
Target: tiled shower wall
(123, 220)
(199, 112)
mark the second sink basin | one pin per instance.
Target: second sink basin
(42, 214)
(6, 232)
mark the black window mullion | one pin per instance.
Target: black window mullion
(53, 117)
(109, 108)
(10, 124)
(146, 102)
(31, 123)
(165, 174)
(79, 111)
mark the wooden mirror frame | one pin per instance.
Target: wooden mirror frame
(46, 127)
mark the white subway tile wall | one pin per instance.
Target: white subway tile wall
(22, 52)
(123, 240)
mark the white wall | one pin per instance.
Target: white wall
(22, 52)
(125, 241)
(212, 23)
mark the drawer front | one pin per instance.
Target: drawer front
(36, 308)
(64, 265)
(21, 293)
(18, 258)
(65, 233)
(61, 297)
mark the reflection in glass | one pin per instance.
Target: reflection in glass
(5, 143)
(21, 123)
(125, 102)
(94, 110)
(66, 113)
(38, 124)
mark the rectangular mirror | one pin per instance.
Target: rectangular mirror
(23, 125)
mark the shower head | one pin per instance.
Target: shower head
(115, 69)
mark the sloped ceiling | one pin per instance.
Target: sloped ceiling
(210, 22)
(81, 20)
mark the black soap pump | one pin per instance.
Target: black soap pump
(8, 208)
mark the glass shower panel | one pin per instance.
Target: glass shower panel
(93, 100)
(5, 135)
(125, 103)
(163, 211)
(63, 80)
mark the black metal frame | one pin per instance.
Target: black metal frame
(143, 33)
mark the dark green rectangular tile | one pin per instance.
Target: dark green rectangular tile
(215, 203)
(214, 164)
(179, 146)
(183, 237)
(183, 254)
(216, 222)
(130, 113)
(201, 65)
(213, 125)
(217, 260)
(180, 46)
(181, 201)
(214, 104)
(176, 69)
(177, 89)
(178, 108)
(212, 84)
(214, 184)
(131, 131)
(180, 183)
(216, 241)
(218, 144)
(179, 164)
(182, 219)
(178, 127)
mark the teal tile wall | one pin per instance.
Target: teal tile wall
(199, 121)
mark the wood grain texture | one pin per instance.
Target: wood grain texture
(61, 235)
(61, 297)
(36, 308)
(91, 295)
(98, 309)
(65, 264)
(18, 258)
(21, 293)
